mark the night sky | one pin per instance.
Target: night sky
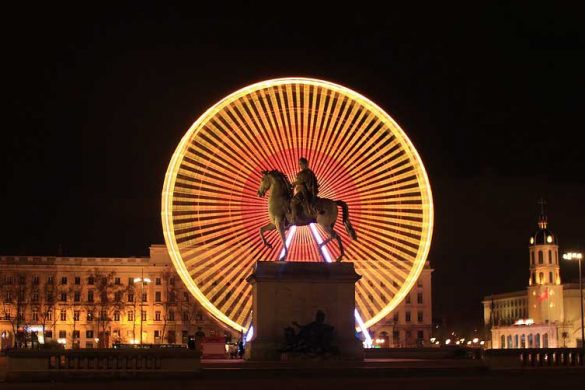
(492, 98)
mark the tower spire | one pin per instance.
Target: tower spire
(542, 220)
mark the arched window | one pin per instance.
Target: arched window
(550, 256)
(556, 258)
(502, 341)
(550, 277)
(515, 341)
(532, 258)
(523, 341)
(540, 258)
(537, 340)
(541, 278)
(530, 341)
(533, 278)
(510, 342)
(545, 340)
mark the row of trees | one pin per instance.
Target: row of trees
(25, 302)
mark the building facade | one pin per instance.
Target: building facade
(410, 323)
(98, 302)
(547, 313)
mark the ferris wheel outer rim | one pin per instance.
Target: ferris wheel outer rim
(170, 179)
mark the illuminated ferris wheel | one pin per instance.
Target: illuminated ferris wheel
(211, 212)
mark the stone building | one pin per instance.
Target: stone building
(410, 323)
(547, 313)
(96, 302)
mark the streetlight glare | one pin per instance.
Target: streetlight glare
(573, 255)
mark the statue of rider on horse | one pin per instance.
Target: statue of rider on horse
(302, 207)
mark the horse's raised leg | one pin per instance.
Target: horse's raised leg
(281, 231)
(266, 228)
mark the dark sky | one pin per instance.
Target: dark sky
(493, 99)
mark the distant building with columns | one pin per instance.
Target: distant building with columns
(547, 313)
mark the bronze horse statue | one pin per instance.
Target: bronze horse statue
(279, 210)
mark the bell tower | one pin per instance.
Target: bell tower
(545, 292)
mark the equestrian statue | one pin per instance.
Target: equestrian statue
(301, 207)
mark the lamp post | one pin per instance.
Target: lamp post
(578, 256)
(143, 281)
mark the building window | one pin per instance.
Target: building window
(550, 259)
(172, 297)
(420, 335)
(550, 277)
(64, 280)
(75, 334)
(89, 334)
(157, 334)
(35, 297)
(523, 341)
(130, 281)
(537, 340)
(157, 297)
(62, 334)
(90, 296)
(172, 336)
(545, 340)
(502, 341)
(419, 316)
(50, 280)
(419, 298)
(157, 281)
(541, 277)
(186, 296)
(419, 284)
(540, 258)
(130, 315)
(117, 281)
(21, 279)
(171, 315)
(186, 316)
(185, 337)
(103, 315)
(130, 297)
(144, 297)
(90, 315)
(118, 296)
(77, 280)
(77, 296)
(35, 315)
(143, 312)
(76, 315)
(407, 298)
(35, 280)
(63, 297)
(172, 281)
(407, 316)
(63, 315)
(91, 280)
(157, 315)
(116, 315)
(49, 315)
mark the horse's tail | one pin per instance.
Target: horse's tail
(348, 228)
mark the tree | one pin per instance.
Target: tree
(105, 302)
(43, 301)
(15, 300)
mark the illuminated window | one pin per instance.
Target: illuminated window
(143, 315)
(116, 315)
(90, 315)
(35, 315)
(157, 315)
(541, 278)
(63, 315)
(76, 315)
(130, 315)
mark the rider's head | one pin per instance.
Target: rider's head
(303, 163)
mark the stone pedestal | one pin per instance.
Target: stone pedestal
(295, 291)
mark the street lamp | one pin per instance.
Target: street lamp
(578, 256)
(143, 281)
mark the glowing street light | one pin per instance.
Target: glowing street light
(578, 256)
(143, 281)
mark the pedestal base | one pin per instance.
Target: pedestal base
(289, 292)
